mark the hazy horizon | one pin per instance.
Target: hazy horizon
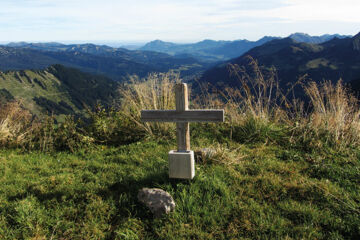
(137, 43)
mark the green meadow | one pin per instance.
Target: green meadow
(266, 192)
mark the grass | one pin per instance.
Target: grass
(335, 112)
(266, 192)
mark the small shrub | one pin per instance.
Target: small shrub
(258, 131)
(112, 127)
(69, 136)
(48, 136)
(42, 136)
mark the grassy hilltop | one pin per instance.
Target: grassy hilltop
(279, 171)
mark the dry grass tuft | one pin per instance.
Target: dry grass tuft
(15, 124)
(155, 92)
(258, 96)
(258, 93)
(255, 107)
(335, 111)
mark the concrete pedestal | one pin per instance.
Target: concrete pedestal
(181, 164)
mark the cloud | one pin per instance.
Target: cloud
(166, 19)
(314, 10)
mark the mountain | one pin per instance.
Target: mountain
(331, 60)
(160, 46)
(56, 89)
(116, 63)
(35, 45)
(206, 50)
(210, 50)
(116, 68)
(303, 37)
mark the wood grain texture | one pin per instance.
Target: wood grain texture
(182, 128)
(185, 116)
(183, 136)
(181, 97)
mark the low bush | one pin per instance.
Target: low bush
(20, 129)
(113, 127)
(257, 131)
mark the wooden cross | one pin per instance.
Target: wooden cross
(181, 162)
(182, 116)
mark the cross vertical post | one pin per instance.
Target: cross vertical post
(183, 128)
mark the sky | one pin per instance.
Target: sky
(137, 21)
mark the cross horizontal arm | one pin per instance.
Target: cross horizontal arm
(182, 116)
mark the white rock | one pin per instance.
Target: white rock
(157, 200)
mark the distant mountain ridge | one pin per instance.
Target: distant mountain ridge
(116, 63)
(211, 50)
(306, 38)
(206, 50)
(331, 60)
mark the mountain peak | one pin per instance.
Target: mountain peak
(157, 41)
(299, 34)
(17, 44)
(304, 37)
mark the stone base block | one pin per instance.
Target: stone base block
(181, 164)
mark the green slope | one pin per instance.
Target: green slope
(56, 89)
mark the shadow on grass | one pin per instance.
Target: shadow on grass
(121, 194)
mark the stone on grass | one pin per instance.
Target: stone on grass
(157, 200)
